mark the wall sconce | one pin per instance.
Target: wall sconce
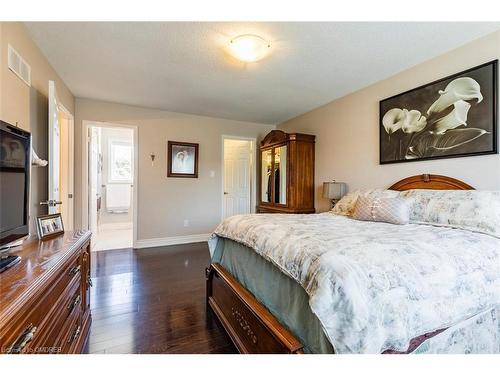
(334, 191)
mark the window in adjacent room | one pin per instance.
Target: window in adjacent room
(120, 162)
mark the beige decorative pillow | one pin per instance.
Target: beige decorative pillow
(389, 210)
(345, 206)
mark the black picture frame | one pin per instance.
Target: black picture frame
(404, 98)
(188, 147)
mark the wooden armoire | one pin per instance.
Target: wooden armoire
(286, 170)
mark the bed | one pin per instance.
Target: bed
(270, 304)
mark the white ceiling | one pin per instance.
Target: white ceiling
(182, 66)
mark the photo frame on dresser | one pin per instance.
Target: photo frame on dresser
(455, 116)
(48, 226)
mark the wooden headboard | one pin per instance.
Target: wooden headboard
(430, 181)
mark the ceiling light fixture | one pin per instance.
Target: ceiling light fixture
(249, 47)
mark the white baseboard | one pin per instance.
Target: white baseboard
(167, 241)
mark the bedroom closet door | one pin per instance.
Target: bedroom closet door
(237, 177)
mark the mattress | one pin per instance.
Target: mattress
(361, 287)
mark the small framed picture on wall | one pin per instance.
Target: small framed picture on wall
(49, 226)
(182, 159)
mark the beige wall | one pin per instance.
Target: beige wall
(164, 203)
(347, 138)
(28, 106)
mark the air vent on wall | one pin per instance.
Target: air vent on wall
(19, 66)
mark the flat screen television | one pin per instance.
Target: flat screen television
(15, 163)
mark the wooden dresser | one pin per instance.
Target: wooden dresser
(45, 299)
(286, 170)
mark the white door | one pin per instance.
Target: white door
(94, 174)
(54, 151)
(237, 177)
(66, 167)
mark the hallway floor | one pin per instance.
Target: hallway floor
(113, 236)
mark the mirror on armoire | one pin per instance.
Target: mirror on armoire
(267, 166)
(280, 175)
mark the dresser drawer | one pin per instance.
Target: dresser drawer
(29, 332)
(69, 303)
(71, 333)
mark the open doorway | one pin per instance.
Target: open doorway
(238, 176)
(111, 175)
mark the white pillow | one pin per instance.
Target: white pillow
(478, 211)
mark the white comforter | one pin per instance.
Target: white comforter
(375, 286)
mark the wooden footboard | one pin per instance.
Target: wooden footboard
(251, 327)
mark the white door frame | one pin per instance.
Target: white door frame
(85, 169)
(253, 182)
(71, 163)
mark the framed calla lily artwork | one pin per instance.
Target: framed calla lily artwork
(453, 117)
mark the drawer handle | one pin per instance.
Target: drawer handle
(89, 280)
(73, 271)
(75, 335)
(75, 302)
(22, 340)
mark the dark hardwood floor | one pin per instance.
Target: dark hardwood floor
(153, 301)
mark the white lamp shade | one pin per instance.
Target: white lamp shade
(334, 190)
